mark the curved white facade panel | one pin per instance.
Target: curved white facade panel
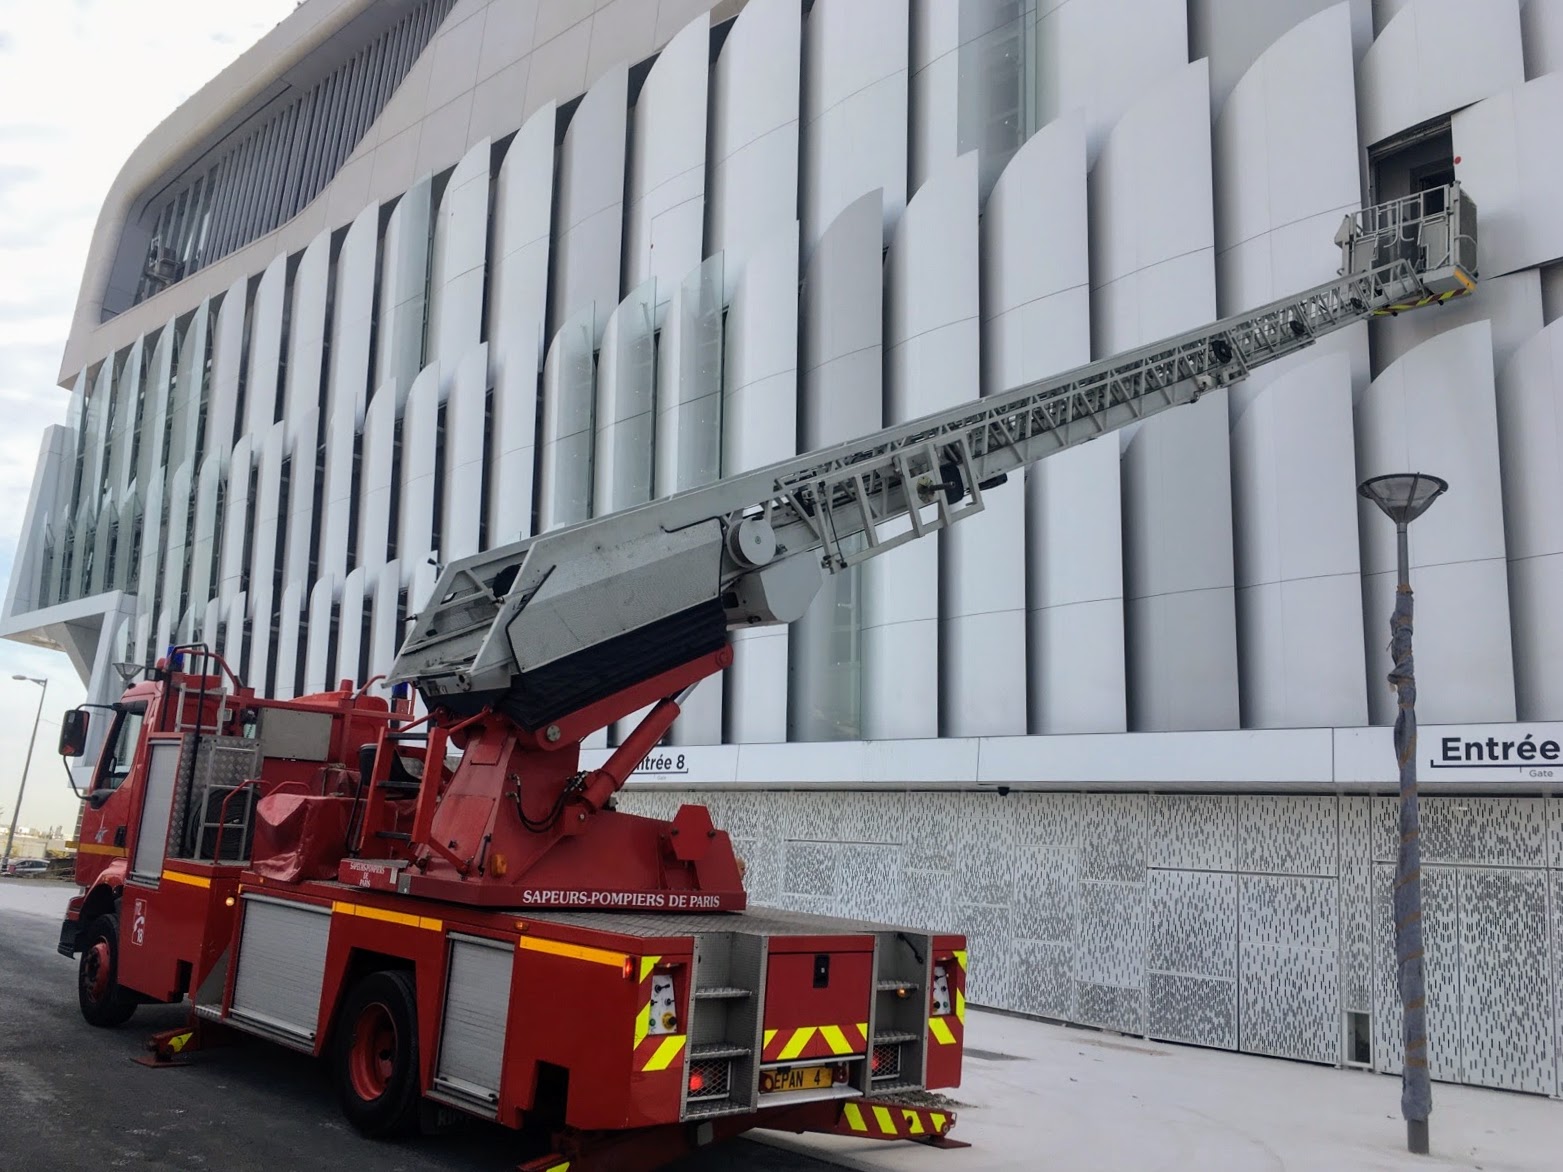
(917, 602)
(1102, 56)
(590, 187)
(1435, 56)
(222, 423)
(754, 130)
(375, 481)
(352, 613)
(260, 594)
(518, 311)
(1152, 275)
(1297, 572)
(760, 427)
(1541, 28)
(420, 443)
(1434, 411)
(1233, 34)
(839, 396)
(404, 282)
(624, 418)
(260, 384)
(321, 637)
(1282, 183)
(1152, 240)
(1495, 142)
(664, 227)
(566, 433)
(461, 519)
(854, 111)
(352, 322)
(1037, 309)
(1511, 305)
(1530, 435)
(456, 261)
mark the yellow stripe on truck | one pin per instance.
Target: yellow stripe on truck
(940, 1029)
(669, 1050)
(364, 912)
(854, 1117)
(795, 1044)
(192, 880)
(573, 951)
(836, 1040)
(960, 1005)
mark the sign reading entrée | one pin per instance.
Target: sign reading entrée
(1529, 756)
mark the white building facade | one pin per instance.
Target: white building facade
(414, 278)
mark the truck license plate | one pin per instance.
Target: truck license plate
(804, 1078)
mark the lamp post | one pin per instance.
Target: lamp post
(1403, 498)
(5, 860)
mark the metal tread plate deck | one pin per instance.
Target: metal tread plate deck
(754, 921)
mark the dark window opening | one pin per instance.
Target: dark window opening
(1421, 159)
(1359, 1039)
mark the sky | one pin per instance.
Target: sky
(82, 83)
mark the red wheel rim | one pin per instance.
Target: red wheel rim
(95, 970)
(372, 1060)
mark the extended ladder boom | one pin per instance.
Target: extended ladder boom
(552, 623)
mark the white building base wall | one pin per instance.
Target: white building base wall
(1248, 922)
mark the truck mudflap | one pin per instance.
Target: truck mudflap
(888, 1119)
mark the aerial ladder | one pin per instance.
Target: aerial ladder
(546, 632)
(452, 910)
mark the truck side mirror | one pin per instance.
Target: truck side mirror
(73, 733)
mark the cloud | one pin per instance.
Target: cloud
(81, 85)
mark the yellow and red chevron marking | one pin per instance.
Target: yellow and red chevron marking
(653, 1052)
(822, 1041)
(949, 1030)
(643, 1018)
(891, 1121)
(660, 1052)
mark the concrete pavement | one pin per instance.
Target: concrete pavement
(1048, 1097)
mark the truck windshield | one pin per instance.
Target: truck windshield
(122, 748)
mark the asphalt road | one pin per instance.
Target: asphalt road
(71, 1098)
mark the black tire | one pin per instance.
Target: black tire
(103, 1002)
(376, 1059)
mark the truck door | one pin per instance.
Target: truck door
(104, 832)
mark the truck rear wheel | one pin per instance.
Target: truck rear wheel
(377, 1055)
(103, 1002)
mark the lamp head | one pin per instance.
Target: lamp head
(1403, 496)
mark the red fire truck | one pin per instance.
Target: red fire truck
(449, 908)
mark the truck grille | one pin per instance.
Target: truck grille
(886, 1061)
(708, 1079)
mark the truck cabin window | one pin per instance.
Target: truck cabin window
(123, 738)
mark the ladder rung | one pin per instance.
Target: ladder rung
(896, 986)
(725, 991)
(893, 1039)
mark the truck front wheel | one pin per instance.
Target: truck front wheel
(377, 1055)
(103, 1002)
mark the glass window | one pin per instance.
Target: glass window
(127, 731)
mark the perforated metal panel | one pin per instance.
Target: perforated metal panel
(282, 962)
(477, 996)
(162, 776)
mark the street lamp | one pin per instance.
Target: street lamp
(5, 860)
(1403, 498)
